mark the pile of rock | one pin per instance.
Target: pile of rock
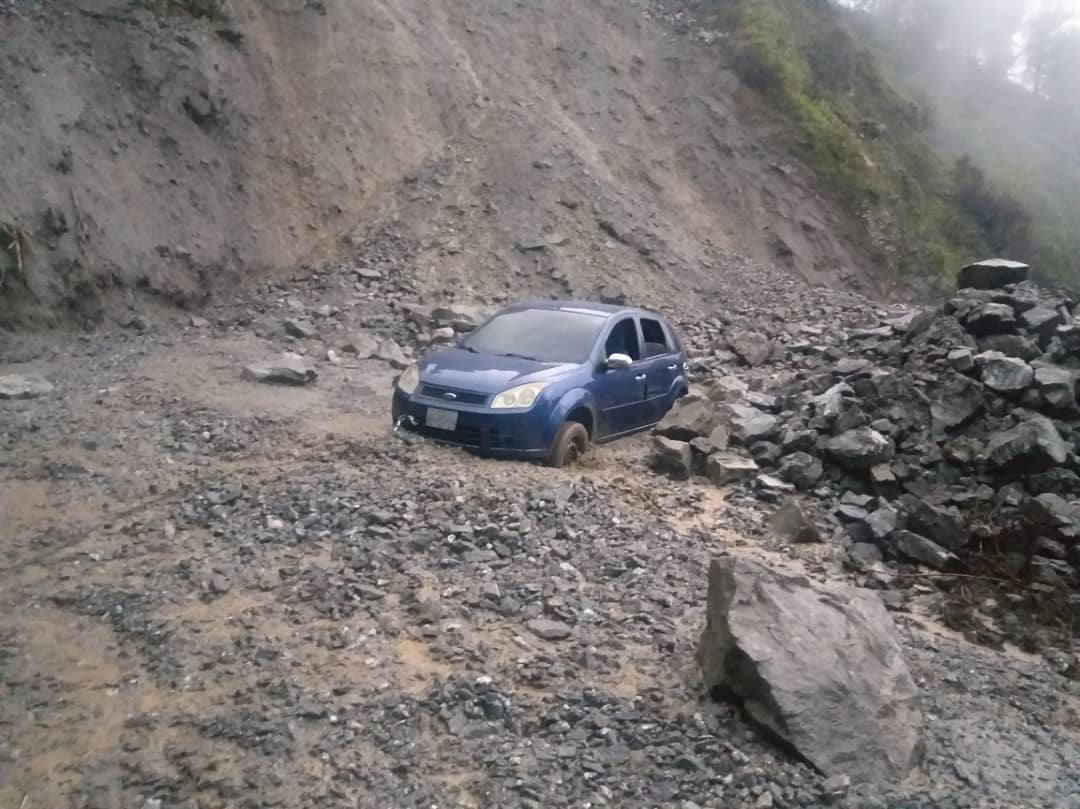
(926, 436)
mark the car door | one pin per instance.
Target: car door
(620, 392)
(661, 361)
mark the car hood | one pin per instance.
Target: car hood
(485, 373)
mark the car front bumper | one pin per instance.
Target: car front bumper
(504, 435)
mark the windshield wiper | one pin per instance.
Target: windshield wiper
(521, 356)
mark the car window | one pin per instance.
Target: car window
(623, 340)
(656, 340)
(545, 335)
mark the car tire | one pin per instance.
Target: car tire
(570, 445)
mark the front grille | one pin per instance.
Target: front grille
(472, 437)
(463, 396)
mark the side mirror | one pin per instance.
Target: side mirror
(618, 361)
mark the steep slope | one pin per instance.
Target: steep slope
(171, 149)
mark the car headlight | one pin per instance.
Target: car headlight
(409, 379)
(521, 396)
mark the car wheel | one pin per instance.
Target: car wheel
(570, 445)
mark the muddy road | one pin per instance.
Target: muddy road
(219, 594)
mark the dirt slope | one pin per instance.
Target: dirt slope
(166, 154)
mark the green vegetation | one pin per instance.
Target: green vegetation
(869, 145)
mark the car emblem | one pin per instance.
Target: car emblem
(450, 395)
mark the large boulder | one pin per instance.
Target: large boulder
(1033, 445)
(672, 458)
(860, 448)
(1011, 345)
(991, 274)
(945, 526)
(691, 417)
(24, 386)
(819, 668)
(801, 469)
(1006, 375)
(751, 347)
(956, 401)
(1042, 321)
(1057, 387)
(748, 424)
(723, 468)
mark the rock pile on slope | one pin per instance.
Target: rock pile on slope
(934, 437)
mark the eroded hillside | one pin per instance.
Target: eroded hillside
(545, 146)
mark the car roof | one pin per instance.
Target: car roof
(585, 307)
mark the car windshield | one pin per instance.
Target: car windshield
(545, 335)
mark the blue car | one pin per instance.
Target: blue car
(545, 380)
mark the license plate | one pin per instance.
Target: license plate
(441, 419)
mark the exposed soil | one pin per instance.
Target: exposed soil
(223, 594)
(153, 154)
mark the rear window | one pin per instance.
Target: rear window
(546, 335)
(656, 340)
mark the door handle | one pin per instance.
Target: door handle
(640, 378)
(672, 367)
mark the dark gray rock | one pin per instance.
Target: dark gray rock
(1053, 513)
(691, 417)
(1033, 445)
(1006, 375)
(801, 469)
(945, 526)
(991, 274)
(748, 424)
(362, 344)
(956, 401)
(298, 329)
(671, 457)
(1011, 345)
(860, 448)
(991, 318)
(962, 359)
(820, 668)
(1057, 387)
(921, 549)
(391, 353)
(1042, 321)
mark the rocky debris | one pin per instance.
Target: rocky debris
(691, 417)
(289, 370)
(723, 468)
(819, 668)
(550, 630)
(792, 523)
(363, 345)
(801, 469)
(921, 549)
(671, 457)
(1033, 445)
(990, 318)
(859, 448)
(991, 274)
(24, 386)
(298, 328)
(391, 353)
(753, 348)
(1006, 375)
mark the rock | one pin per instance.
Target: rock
(362, 344)
(991, 274)
(1006, 375)
(748, 424)
(801, 469)
(198, 322)
(849, 366)
(289, 370)
(390, 352)
(882, 522)
(1011, 345)
(443, 334)
(727, 389)
(691, 417)
(791, 523)
(1033, 445)
(830, 404)
(769, 487)
(961, 359)
(921, 549)
(864, 555)
(860, 448)
(723, 468)
(298, 329)
(671, 457)
(752, 347)
(24, 386)
(945, 526)
(819, 667)
(1042, 321)
(956, 401)
(549, 630)
(1057, 387)
(884, 481)
(991, 318)
(1054, 514)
